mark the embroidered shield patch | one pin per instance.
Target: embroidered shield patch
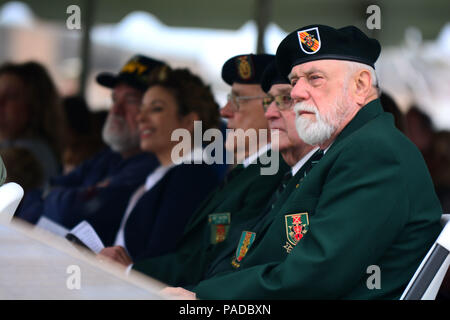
(219, 223)
(134, 66)
(245, 242)
(296, 227)
(309, 40)
(244, 67)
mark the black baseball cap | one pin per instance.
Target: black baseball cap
(134, 73)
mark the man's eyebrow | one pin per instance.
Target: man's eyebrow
(307, 72)
(281, 92)
(236, 92)
(290, 76)
(313, 70)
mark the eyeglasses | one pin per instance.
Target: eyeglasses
(283, 102)
(236, 100)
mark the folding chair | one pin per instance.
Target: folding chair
(10, 195)
(427, 280)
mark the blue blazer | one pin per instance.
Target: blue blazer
(75, 197)
(156, 223)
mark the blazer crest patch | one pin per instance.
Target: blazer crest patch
(297, 226)
(245, 242)
(219, 223)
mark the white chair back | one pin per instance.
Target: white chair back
(427, 280)
(10, 195)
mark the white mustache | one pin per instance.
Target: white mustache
(301, 106)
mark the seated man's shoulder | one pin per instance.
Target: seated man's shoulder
(380, 140)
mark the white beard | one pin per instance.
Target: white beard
(310, 131)
(318, 132)
(117, 134)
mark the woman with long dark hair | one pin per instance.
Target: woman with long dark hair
(30, 121)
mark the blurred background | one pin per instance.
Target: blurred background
(202, 34)
(414, 67)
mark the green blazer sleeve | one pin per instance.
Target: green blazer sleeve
(370, 201)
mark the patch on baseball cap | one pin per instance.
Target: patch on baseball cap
(134, 73)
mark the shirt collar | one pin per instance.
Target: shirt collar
(195, 156)
(157, 175)
(302, 161)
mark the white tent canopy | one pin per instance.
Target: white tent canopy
(413, 72)
(418, 73)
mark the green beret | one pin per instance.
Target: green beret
(246, 68)
(134, 73)
(272, 76)
(318, 42)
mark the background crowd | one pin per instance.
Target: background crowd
(43, 134)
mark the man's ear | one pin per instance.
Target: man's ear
(362, 86)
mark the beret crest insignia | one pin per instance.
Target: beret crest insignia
(245, 68)
(309, 40)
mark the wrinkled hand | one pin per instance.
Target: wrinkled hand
(178, 293)
(117, 254)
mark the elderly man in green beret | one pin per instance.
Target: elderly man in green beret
(368, 204)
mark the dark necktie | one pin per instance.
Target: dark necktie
(284, 182)
(315, 158)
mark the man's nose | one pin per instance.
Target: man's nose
(117, 108)
(299, 92)
(227, 111)
(272, 112)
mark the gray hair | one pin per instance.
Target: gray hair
(357, 66)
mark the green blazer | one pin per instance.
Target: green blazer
(369, 202)
(215, 225)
